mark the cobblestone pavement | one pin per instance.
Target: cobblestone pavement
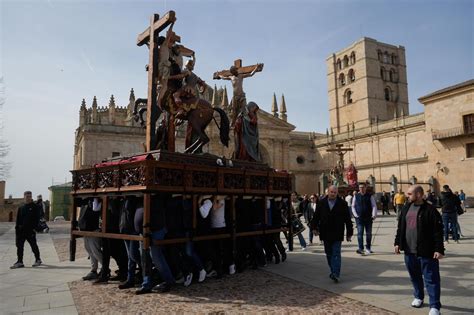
(60, 233)
(248, 292)
(253, 291)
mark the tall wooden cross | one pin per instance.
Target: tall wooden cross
(340, 151)
(241, 69)
(150, 37)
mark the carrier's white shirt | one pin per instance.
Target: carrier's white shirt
(96, 205)
(218, 214)
(205, 208)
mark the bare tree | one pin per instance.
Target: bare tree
(5, 166)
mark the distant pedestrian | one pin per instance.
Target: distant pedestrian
(385, 199)
(364, 210)
(399, 201)
(27, 220)
(420, 237)
(328, 222)
(462, 197)
(449, 205)
(348, 200)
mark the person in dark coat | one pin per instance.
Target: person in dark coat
(27, 220)
(450, 203)
(328, 222)
(420, 237)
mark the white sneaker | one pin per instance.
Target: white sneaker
(232, 269)
(417, 303)
(367, 251)
(303, 248)
(202, 275)
(188, 279)
(434, 311)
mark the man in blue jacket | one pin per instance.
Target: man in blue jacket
(420, 236)
(364, 210)
(328, 222)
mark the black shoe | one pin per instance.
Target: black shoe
(17, 265)
(334, 278)
(162, 288)
(142, 290)
(101, 280)
(360, 252)
(283, 257)
(126, 285)
(119, 277)
(91, 276)
(277, 260)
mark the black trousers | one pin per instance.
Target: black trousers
(30, 237)
(115, 249)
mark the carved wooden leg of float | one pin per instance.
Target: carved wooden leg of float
(72, 242)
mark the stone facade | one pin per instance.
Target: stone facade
(432, 148)
(367, 81)
(110, 131)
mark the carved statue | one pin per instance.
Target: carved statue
(165, 82)
(336, 176)
(246, 134)
(236, 74)
(351, 175)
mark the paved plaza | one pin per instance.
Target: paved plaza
(376, 284)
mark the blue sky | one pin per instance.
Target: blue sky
(54, 53)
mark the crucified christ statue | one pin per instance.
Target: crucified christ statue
(236, 74)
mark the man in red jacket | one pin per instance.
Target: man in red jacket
(420, 236)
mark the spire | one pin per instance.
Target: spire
(83, 104)
(132, 96)
(283, 115)
(94, 111)
(274, 106)
(112, 101)
(214, 96)
(225, 100)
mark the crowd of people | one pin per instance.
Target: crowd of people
(171, 217)
(421, 230)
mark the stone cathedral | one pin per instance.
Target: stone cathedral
(369, 113)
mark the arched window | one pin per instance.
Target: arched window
(353, 58)
(346, 61)
(385, 57)
(342, 79)
(387, 94)
(382, 73)
(379, 55)
(351, 75)
(393, 75)
(338, 63)
(348, 97)
(394, 59)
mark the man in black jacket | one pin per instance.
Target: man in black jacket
(450, 203)
(420, 236)
(328, 222)
(27, 220)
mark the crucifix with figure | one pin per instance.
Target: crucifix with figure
(236, 74)
(156, 75)
(340, 151)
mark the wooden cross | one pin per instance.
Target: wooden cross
(340, 151)
(240, 69)
(149, 37)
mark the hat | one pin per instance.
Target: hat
(446, 187)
